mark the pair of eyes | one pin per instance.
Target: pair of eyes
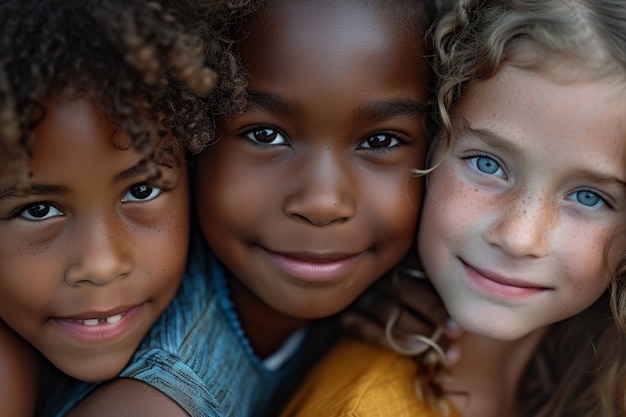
(271, 136)
(141, 192)
(490, 166)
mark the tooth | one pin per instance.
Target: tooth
(90, 322)
(114, 319)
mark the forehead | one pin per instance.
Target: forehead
(581, 121)
(545, 106)
(330, 41)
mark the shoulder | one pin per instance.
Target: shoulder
(358, 379)
(17, 365)
(127, 397)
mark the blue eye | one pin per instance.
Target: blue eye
(487, 165)
(40, 211)
(266, 136)
(588, 198)
(141, 192)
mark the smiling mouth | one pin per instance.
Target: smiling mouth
(312, 267)
(94, 329)
(499, 285)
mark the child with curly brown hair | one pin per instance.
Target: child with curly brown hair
(98, 100)
(306, 198)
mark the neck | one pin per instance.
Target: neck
(488, 374)
(265, 328)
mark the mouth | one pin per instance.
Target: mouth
(501, 285)
(314, 267)
(99, 327)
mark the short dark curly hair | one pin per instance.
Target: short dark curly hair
(141, 65)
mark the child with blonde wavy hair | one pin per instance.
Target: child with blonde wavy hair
(527, 189)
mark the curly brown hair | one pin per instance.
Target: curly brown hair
(145, 69)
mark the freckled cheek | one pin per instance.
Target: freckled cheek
(455, 211)
(586, 260)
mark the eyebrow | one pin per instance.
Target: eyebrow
(372, 111)
(51, 189)
(500, 142)
(35, 189)
(129, 173)
(489, 137)
(270, 101)
(383, 110)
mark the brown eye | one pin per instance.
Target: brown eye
(380, 141)
(267, 136)
(141, 192)
(40, 211)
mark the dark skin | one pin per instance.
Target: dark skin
(315, 176)
(321, 161)
(17, 366)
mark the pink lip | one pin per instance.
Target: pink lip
(503, 286)
(102, 332)
(314, 267)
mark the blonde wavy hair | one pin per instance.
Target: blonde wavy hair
(580, 367)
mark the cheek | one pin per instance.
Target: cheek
(449, 214)
(584, 259)
(449, 204)
(27, 282)
(400, 207)
(227, 201)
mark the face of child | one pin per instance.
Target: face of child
(94, 254)
(519, 213)
(308, 196)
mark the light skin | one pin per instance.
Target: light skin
(518, 216)
(94, 254)
(308, 198)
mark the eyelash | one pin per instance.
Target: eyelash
(473, 159)
(605, 201)
(388, 135)
(20, 211)
(248, 134)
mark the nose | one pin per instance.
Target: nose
(523, 226)
(322, 191)
(100, 255)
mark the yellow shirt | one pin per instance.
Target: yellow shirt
(357, 379)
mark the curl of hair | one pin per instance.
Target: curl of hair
(213, 21)
(142, 68)
(579, 369)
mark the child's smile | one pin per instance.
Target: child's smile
(308, 196)
(93, 255)
(519, 212)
